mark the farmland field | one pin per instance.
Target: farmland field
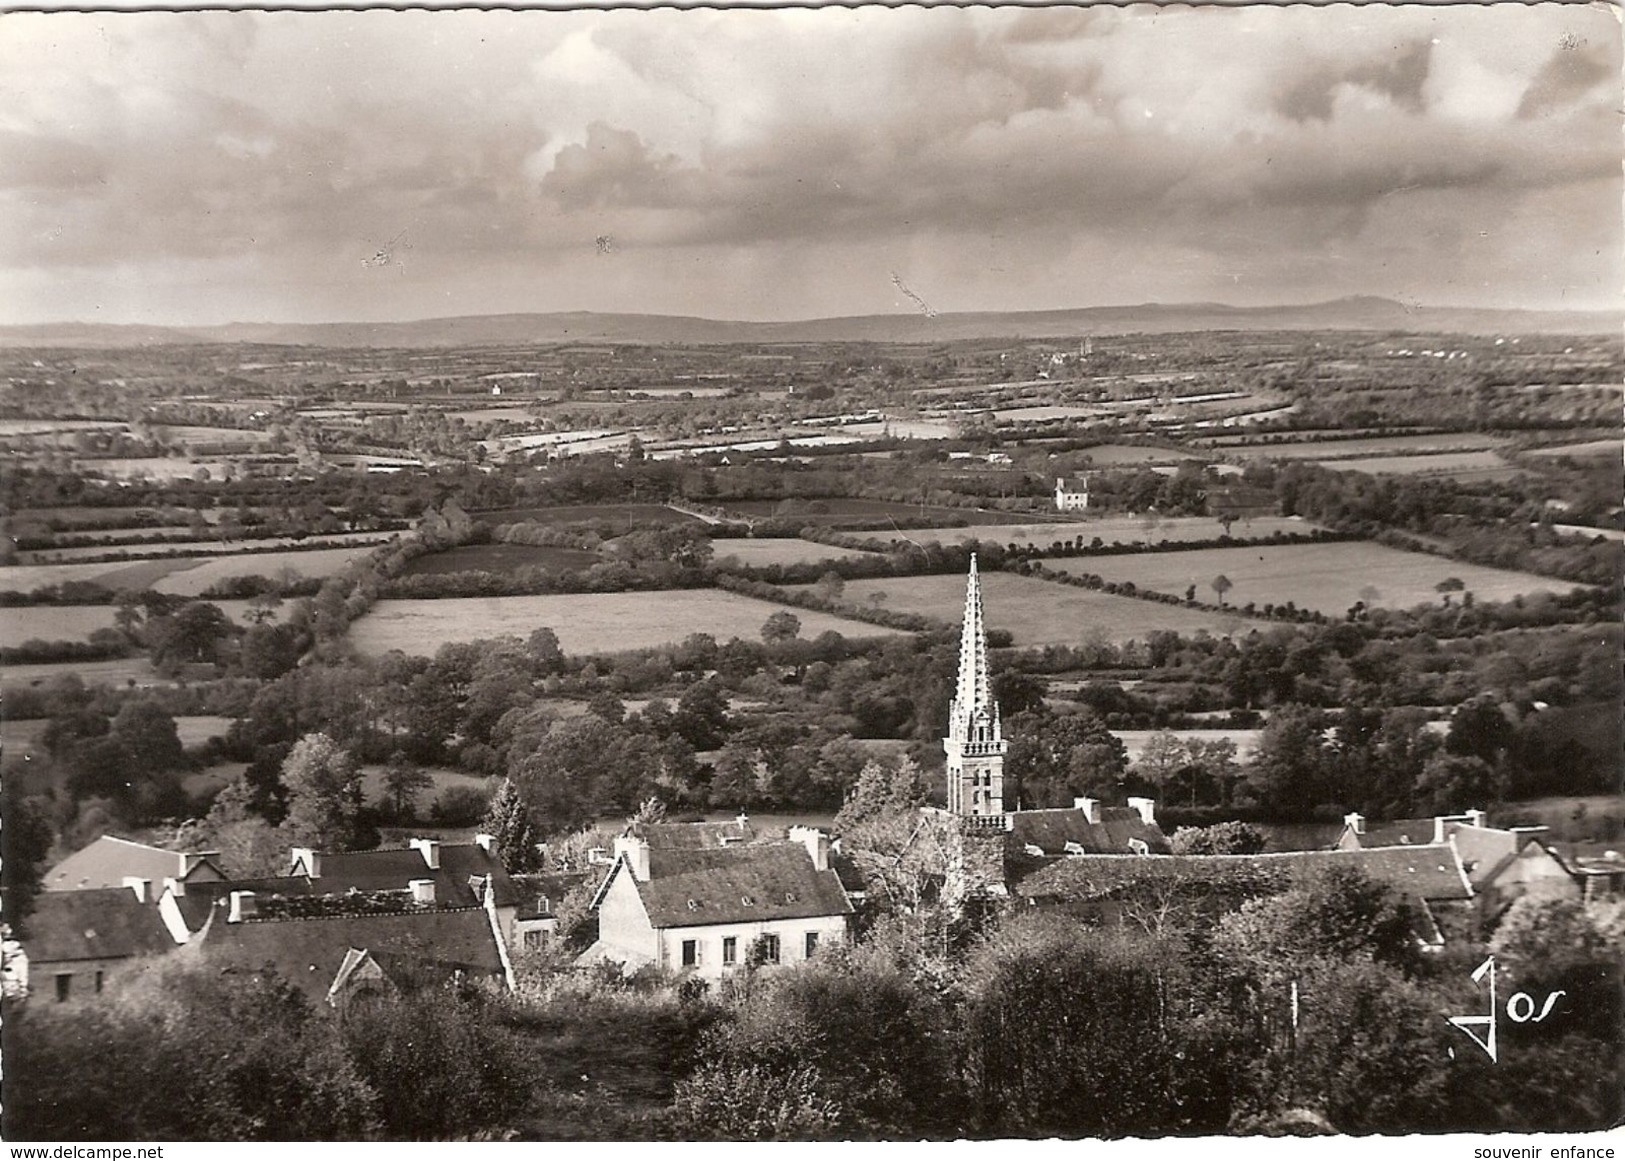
(577, 513)
(1394, 445)
(1598, 448)
(1589, 532)
(201, 573)
(143, 467)
(1036, 612)
(1114, 455)
(372, 784)
(500, 558)
(1124, 529)
(1466, 465)
(116, 574)
(1325, 577)
(585, 623)
(122, 671)
(901, 429)
(776, 550)
(213, 547)
(212, 779)
(75, 622)
(835, 510)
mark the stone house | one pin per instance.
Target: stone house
(77, 941)
(706, 910)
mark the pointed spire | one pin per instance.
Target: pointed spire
(973, 697)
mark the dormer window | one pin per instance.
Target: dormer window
(747, 901)
(693, 905)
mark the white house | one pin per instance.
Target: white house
(1071, 501)
(708, 910)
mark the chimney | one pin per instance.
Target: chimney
(139, 885)
(1147, 808)
(1355, 822)
(816, 842)
(1089, 806)
(307, 861)
(175, 887)
(636, 853)
(1477, 818)
(422, 892)
(430, 849)
(242, 906)
(486, 843)
(191, 860)
(743, 820)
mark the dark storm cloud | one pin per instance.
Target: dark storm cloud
(993, 151)
(1574, 71)
(30, 161)
(1401, 78)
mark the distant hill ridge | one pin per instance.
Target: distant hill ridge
(1350, 314)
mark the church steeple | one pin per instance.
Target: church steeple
(975, 743)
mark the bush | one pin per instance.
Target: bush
(460, 806)
(752, 1102)
(442, 1063)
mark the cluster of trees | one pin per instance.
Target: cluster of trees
(184, 1052)
(1501, 524)
(1299, 1005)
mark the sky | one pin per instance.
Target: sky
(204, 168)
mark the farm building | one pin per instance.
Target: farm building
(1071, 500)
(1502, 865)
(336, 957)
(113, 862)
(76, 941)
(1108, 888)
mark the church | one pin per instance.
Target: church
(988, 844)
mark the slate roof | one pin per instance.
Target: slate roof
(743, 884)
(1051, 830)
(105, 923)
(1487, 851)
(1404, 832)
(105, 862)
(393, 869)
(309, 952)
(1432, 871)
(551, 886)
(201, 898)
(663, 836)
(1300, 836)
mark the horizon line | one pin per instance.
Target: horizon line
(1408, 307)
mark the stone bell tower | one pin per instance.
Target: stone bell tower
(975, 744)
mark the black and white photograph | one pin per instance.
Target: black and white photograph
(1040, 573)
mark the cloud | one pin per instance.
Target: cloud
(1046, 157)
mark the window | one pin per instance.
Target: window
(98, 983)
(811, 943)
(535, 940)
(691, 953)
(770, 949)
(63, 983)
(730, 950)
